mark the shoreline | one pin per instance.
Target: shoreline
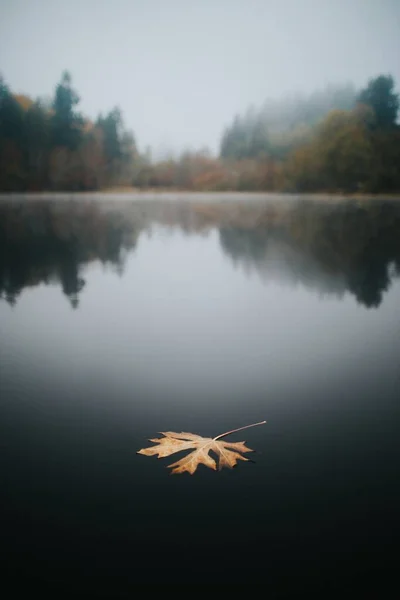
(168, 194)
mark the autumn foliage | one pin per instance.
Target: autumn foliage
(51, 146)
(332, 141)
(228, 453)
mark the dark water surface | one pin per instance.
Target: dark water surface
(121, 318)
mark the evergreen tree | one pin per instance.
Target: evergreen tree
(66, 122)
(381, 97)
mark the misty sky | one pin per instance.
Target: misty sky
(181, 69)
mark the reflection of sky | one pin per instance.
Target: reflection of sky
(183, 321)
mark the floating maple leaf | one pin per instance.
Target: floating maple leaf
(228, 453)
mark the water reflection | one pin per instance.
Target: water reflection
(329, 247)
(50, 242)
(184, 342)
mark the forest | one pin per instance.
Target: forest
(336, 140)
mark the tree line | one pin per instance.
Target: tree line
(51, 146)
(336, 140)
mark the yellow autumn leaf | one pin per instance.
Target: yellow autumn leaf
(228, 453)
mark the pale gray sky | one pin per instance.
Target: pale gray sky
(180, 69)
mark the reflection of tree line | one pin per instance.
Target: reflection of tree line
(50, 242)
(331, 247)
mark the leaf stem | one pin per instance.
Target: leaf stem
(238, 429)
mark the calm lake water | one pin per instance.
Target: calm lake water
(123, 317)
